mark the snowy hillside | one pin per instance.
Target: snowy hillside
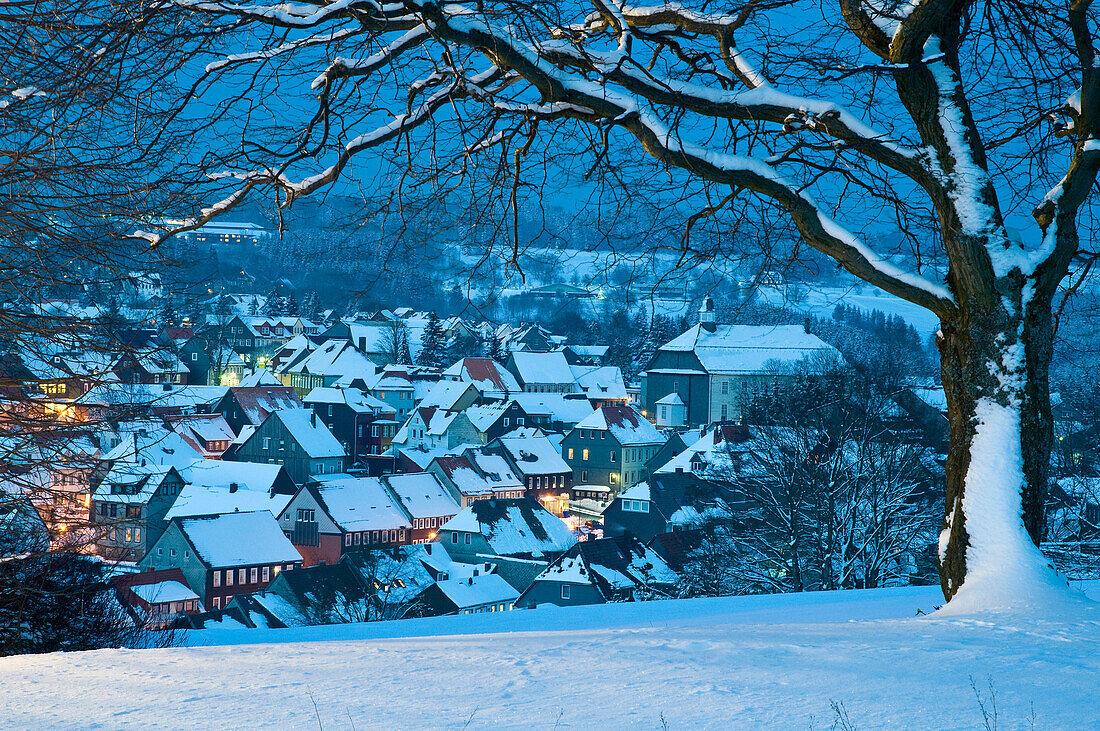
(775, 661)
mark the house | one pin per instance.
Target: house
(154, 599)
(611, 447)
(678, 493)
(211, 363)
(426, 502)
(324, 366)
(554, 411)
(151, 365)
(129, 508)
(466, 479)
(716, 369)
(474, 594)
(542, 372)
(486, 375)
(394, 387)
(363, 424)
(339, 514)
(250, 406)
(451, 396)
(494, 419)
(518, 527)
(536, 461)
(209, 434)
(224, 555)
(599, 571)
(251, 476)
(585, 354)
(296, 439)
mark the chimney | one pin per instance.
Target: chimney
(313, 418)
(706, 315)
(233, 487)
(475, 572)
(428, 548)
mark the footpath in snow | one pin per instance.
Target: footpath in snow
(744, 662)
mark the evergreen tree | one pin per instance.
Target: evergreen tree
(403, 356)
(433, 349)
(309, 306)
(290, 306)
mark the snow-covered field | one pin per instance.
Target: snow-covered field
(821, 301)
(750, 662)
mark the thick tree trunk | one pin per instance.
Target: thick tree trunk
(995, 358)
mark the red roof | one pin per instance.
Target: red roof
(451, 463)
(484, 369)
(259, 401)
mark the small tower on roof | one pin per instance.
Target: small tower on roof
(706, 315)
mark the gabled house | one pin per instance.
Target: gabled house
(129, 508)
(425, 501)
(210, 363)
(536, 461)
(296, 439)
(611, 447)
(339, 514)
(467, 480)
(209, 434)
(599, 571)
(519, 527)
(476, 593)
(250, 406)
(224, 555)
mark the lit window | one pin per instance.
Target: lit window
(255, 575)
(584, 454)
(217, 578)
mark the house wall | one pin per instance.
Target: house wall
(598, 466)
(693, 389)
(173, 550)
(297, 463)
(549, 592)
(455, 544)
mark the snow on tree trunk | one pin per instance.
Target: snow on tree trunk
(995, 361)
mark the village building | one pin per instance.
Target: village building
(716, 370)
(224, 555)
(611, 447)
(338, 514)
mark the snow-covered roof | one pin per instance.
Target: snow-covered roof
(259, 401)
(474, 591)
(261, 376)
(488, 376)
(568, 411)
(211, 499)
(254, 476)
(483, 417)
(637, 491)
(462, 473)
(542, 368)
(570, 570)
(445, 394)
(355, 399)
(534, 455)
(132, 482)
(600, 382)
(311, 434)
(517, 525)
(163, 591)
(155, 446)
(359, 503)
(747, 349)
(334, 358)
(625, 423)
(498, 473)
(422, 495)
(672, 399)
(238, 539)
